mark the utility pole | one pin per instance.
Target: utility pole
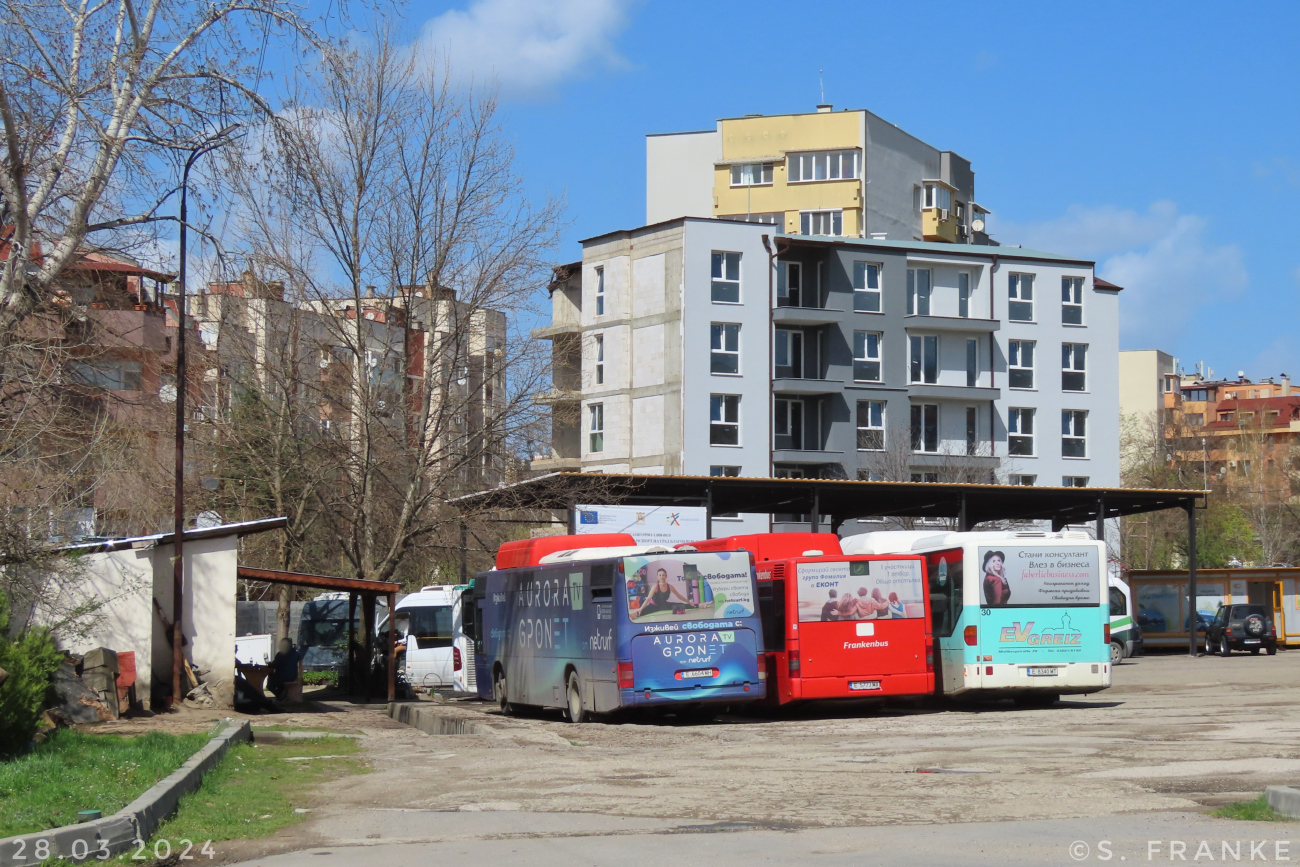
(178, 560)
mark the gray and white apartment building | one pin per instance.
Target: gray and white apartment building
(703, 346)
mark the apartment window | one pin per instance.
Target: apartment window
(596, 427)
(1196, 394)
(1022, 480)
(1195, 419)
(790, 285)
(1020, 431)
(1021, 295)
(972, 362)
(1020, 363)
(925, 477)
(1074, 366)
(1074, 481)
(924, 358)
(925, 427)
(600, 291)
(1072, 300)
(866, 356)
(788, 423)
(724, 356)
(823, 166)
(724, 472)
(870, 476)
(600, 359)
(1074, 433)
(871, 425)
(724, 419)
(110, 374)
(787, 353)
(963, 295)
(938, 196)
(972, 430)
(821, 223)
(751, 174)
(726, 278)
(866, 287)
(918, 291)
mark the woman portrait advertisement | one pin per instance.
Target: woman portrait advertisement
(663, 595)
(997, 591)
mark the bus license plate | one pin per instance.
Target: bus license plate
(864, 684)
(698, 673)
(1042, 672)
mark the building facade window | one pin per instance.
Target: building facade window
(1074, 367)
(1074, 481)
(788, 428)
(789, 290)
(963, 295)
(972, 430)
(1020, 431)
(1020, 363)
(787, 353)
(931, 477)
(1020, 294)
(1022, 480)
(937, 196)
(923, 360)
(724, 419)
(109, 374)
(866, 287)
(600, 359)
(751, 174)
(1072, 300)
(596, 427)
(972, 362)
(866, 356)
(1074, 433)
(726, 278)
(821, 223)
(724, 355)
(822, 166)
(925, 427)
(600, 291)
(918, 291)
(871, 425)
(724, 472)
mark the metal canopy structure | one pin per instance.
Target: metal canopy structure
(841, 500)
(354, 587)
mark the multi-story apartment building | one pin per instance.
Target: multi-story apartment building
(1145, 377)
(844, 173)
(715, 347)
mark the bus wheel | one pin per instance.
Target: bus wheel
(499, 690)
(577, 713)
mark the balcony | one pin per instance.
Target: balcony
(559, 395)
(938, 224)
(806, 316)
(555, 464)
(934, 391)
(943, 460)
(798, 385)
(555, 329)
(806, 457)
(951, 323)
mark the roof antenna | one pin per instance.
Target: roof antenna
(821, 86)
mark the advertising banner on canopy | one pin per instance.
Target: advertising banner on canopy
(649, 525)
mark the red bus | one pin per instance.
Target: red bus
(837, 625)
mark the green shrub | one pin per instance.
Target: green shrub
(316, 678)
(31, 660)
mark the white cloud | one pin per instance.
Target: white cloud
(1167, 262)
(526, 47)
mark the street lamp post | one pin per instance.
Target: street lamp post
(178, 561)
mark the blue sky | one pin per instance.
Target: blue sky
(1162, 140)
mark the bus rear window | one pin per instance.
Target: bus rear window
(430, 624)
(1022, 576)
(860, 590)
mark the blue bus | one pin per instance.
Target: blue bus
(594, 630)
(1016, 614)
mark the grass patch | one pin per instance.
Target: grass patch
(73, 771)
(1257, 810)
(253, 791)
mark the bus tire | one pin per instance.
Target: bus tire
(576, 710)
(499, 693)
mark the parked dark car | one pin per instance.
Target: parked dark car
(1241, 627)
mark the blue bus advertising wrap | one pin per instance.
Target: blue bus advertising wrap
(622, 631)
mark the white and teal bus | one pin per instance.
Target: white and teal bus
(1020, 615)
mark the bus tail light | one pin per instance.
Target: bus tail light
(625, 675)
(971, 635)
(794, 665)
(762, 666)
(929, 659)
(456, 664)
(1106, 640)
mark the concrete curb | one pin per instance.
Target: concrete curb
(435, 722)
(119, 832)
(1284, 800)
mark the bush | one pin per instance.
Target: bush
(30, 660)
(317, 678)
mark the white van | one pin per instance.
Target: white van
(1125, 634)
(439, 655)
